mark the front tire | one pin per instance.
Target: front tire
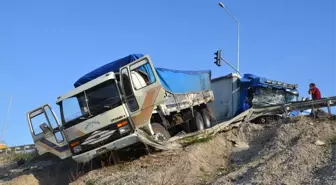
(160, 133)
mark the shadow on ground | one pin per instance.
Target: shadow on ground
(63, 172)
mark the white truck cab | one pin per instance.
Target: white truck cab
(88, 127)
(102, 114)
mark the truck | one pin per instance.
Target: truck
(235, 93)
(110, 104)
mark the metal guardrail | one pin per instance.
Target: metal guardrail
(18, 148)
(295, 106)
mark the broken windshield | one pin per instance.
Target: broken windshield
(90, 103)
(267, 96)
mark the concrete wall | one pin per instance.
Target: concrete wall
(226, 92)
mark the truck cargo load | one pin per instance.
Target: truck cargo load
(195, 81)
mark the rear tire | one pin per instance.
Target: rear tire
(187, 127)
(197, 121)
(160, 133)
(206, 118)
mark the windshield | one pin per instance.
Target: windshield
(89, 103)
(291, 97)
(267, 96)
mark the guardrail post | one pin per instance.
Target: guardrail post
(313, 110)
(329, 108)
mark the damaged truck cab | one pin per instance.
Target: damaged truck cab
(258, 91)
(235, 94)
(108, 105)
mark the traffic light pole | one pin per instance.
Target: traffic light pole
(218, 58)
(230, 65)
(238, 33)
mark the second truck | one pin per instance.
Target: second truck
(235, 94)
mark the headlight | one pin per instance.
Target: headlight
(77, 149)
(124, 129)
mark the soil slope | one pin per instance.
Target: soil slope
(294, 151)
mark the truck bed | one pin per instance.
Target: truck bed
(174, 102)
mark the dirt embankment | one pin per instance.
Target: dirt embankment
(299, 151)
(296, 151)
(195, 164)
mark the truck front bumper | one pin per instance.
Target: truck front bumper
(115, 145)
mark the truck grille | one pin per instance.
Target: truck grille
(98, 138)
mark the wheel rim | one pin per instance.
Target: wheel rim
(159, 137)
(262, 120)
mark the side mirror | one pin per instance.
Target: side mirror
(45, 128)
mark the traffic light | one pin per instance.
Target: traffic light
(218, 57)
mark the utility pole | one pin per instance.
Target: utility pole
(238, 32)
(3, 131)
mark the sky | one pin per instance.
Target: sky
(46, 46)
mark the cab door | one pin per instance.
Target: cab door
(47, 133)
(142, 90)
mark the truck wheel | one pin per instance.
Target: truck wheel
(265, 120)
(206, 118)
(160, 133)
(187, 127)
(262, 120)
(197, 121)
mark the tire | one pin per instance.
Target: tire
(263, 120)
(160, 132)
(187, 127)
(197, 121)
(206, 118)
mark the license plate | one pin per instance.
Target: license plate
(101, 150)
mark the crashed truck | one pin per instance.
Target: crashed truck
(110, 104)
(235, 94)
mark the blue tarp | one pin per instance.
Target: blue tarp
(176, 81)
(110, 67)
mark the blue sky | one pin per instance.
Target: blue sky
(46, 46)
